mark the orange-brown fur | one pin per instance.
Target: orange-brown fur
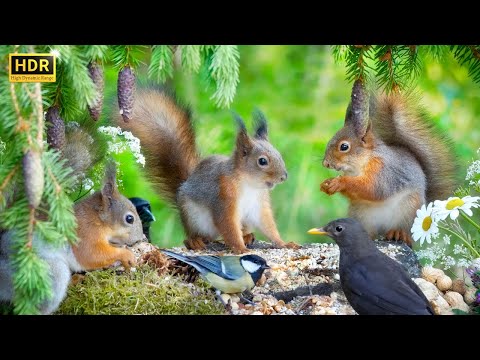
(179, 149)
(228, 224)
(93, 251)
(356, 188)
(413, 130)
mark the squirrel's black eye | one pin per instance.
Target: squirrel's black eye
(344, 146)
(129, 219)
(339, 228)
(262, 161)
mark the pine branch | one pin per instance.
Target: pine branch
(357, 60)
(123, 55)
(161, 63)
(191, 58)
(224, 70)
(469, 55)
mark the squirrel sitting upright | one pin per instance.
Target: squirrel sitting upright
(219, 195)
(106, 221)
(393, 161)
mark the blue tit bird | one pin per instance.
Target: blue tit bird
(227, 274)
(145, 213)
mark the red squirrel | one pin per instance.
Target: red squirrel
(225, 196)
(393, 160)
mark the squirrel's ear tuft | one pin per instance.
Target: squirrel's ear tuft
(244, 143)
(261, 128)
(109, 189)
(357, 112)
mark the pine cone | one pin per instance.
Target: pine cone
(126, 92)
(55, 128)
(33, 174)
(96, 74)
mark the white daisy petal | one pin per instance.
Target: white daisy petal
(468, 212)
(454, 214)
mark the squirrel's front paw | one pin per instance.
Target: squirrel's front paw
(240, 250)
(331, 186)
(292, 245)
(289, 245)
(128, 259)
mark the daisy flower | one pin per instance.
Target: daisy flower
(424, 227)
(453, 205)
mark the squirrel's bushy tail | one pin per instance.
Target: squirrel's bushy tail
(167, 138)
(400, 120)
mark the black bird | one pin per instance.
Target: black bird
(373, 283)
(145, 213)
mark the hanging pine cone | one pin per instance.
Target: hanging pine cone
(33, 174)
(95, 71)
(126, 92)
(55, 128)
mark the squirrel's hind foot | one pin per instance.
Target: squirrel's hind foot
(249, 239)
(195, 243)
(399, 235)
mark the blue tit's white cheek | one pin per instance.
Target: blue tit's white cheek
(251, 267)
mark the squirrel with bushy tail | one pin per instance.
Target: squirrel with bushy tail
(393, 160)
(218, 196)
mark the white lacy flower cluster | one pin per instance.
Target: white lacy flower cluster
(473, 172)
(123, 140)
(437, 255)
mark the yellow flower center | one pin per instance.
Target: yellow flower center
(452, 204)
(427, 222)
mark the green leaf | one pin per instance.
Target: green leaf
(459, 312)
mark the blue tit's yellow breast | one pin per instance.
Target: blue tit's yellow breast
(230, 286)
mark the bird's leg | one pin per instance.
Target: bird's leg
(219, 297)
(245, 299)
(399, 235)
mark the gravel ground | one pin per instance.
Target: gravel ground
(303, 281)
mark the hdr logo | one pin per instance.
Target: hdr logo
(32, 68)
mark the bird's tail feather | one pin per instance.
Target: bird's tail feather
(184, 259)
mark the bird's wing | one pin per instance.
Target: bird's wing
(216, 265)
(232, 267)
(210, 263)
(381, 285)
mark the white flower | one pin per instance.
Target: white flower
(448, 262)
(462, 262)
(460, 249)
(119, 146)
(3, 146)
(472, 172)
(424, 227)
(446, 239)
(453, 205)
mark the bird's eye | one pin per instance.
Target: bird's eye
(344, 146)
(339, 228)
(262, 161)
(129, 219)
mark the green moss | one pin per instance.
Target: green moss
(139, 292)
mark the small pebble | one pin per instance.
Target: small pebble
(225, 298)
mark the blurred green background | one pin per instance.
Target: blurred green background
(304, 95)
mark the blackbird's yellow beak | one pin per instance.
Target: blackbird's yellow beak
(318, 231)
